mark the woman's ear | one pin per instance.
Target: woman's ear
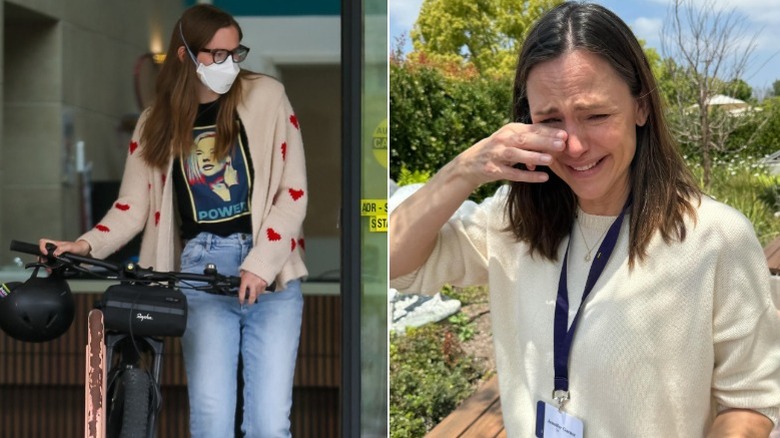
(181, 53)
(642, 111)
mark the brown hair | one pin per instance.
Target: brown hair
(167, 130)
(661, 186)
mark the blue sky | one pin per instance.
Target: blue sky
(646, 18)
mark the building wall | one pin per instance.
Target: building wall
(67, 76)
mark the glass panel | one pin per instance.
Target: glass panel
(374, 223)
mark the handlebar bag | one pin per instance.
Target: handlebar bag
(144, 310)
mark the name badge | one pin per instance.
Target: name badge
(554, 423)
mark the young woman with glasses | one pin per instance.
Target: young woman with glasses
(215, 173)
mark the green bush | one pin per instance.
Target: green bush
(768, 137)
(407, 176)
(463, 325)
(765, 142)
(429, 377)
(434, 116)
(744, 184)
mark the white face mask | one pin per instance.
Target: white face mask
(217, 77)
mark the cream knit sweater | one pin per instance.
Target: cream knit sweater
(279, 194)
(658, 349)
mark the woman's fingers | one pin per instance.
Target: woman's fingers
(251, 287)
(59, 246)
(80, 247)
(519, 175)
(42, 245)
(497, 157)
(529, 158)
(538, 138)
(249, 294)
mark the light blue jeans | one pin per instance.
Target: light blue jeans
(218, 328)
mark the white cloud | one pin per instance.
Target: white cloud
(403, 13)
(647, 29)
(757, 11)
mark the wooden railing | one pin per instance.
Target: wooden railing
(479, 416)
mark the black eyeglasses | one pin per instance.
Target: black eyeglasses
(220, 55)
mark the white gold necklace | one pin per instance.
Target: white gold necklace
(584, 240)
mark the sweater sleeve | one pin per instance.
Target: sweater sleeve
(280, 230)
(460, 256)
(746, 327)
(128, 215)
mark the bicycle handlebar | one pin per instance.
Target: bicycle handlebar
(67, 258)
(27, 248)
(130, 272)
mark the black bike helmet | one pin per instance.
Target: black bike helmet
(40, 309)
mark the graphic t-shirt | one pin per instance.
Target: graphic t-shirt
(213, 195)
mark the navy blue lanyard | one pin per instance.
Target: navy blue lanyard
(562, 338)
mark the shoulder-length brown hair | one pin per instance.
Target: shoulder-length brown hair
(661, 186)
(167, 130)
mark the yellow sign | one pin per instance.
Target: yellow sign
(378, 224)
(373, 207)
(379, 143)
(376, 211)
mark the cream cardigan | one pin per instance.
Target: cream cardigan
(279, 194)
(658, 350)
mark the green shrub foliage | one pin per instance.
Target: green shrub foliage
(745, 184)
(768, 136)
(436, 114)
(429, 377)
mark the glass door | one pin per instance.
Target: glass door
(364, 209)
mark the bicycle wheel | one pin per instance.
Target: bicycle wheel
(129, 405)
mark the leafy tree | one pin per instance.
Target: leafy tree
(711, 49)
(653, 58)
(776, 88)
(437, 111)
(761, 136)
(740, 90)
(485, 33)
